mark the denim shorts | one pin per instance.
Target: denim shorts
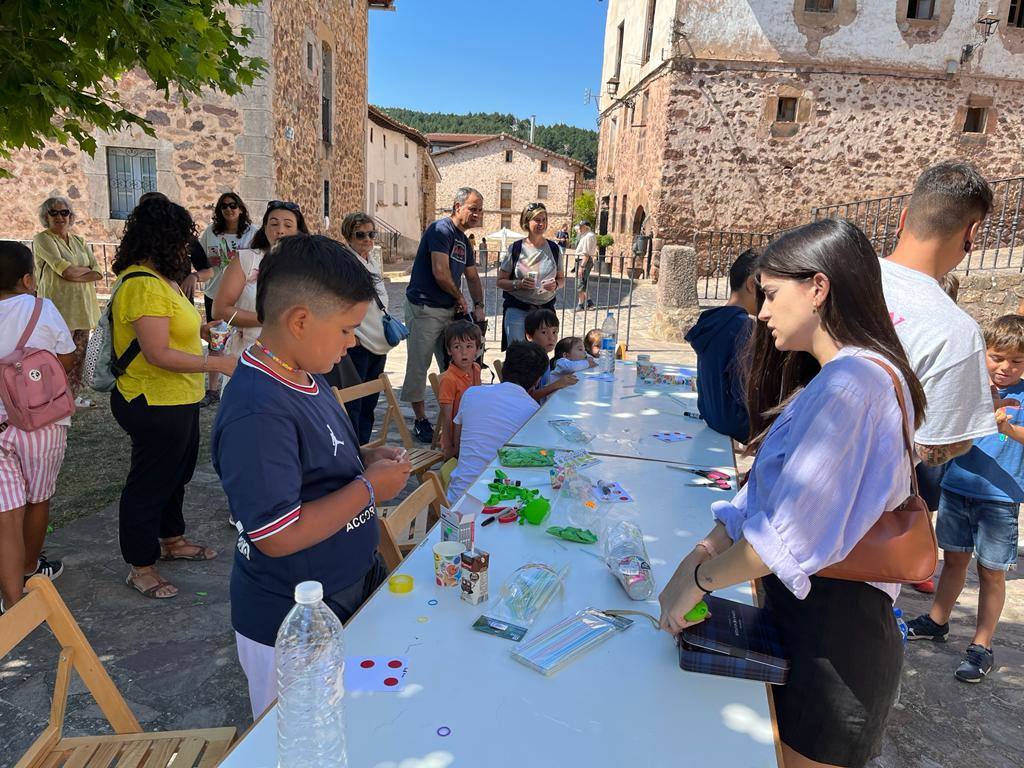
(987, 528)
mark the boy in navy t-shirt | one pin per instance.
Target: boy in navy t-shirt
(301, 490)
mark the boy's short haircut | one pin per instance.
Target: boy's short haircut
(525, 362)
(946, 198)
(16, 261)
(1005, 333)
(592, 339)
(539, 318)
(462, 330)
(950, 284)
(741, 269)
(311, 270)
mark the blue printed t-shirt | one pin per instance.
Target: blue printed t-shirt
(440, 237)
(993, 470)
(277, 445)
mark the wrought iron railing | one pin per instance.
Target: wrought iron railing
(715, 252)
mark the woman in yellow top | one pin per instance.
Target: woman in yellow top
(156, 400)
(66, 274)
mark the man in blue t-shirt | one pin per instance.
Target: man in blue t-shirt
(301, 490)
(434, 296)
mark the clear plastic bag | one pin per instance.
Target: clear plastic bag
(578, 502)
(525, 593)
(626, 557)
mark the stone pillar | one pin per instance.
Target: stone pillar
(676, 308)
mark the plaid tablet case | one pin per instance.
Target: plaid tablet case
(736, 640)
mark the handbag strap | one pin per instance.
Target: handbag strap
(907, 441)
(37, 309)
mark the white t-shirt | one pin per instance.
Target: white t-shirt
(217, 248)
(947, 352)
(586, 246)
(489, 415)
(51, 332)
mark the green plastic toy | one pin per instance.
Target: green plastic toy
(578, 535)
(698, 612)
(535, 511)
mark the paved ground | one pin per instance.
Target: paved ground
(175, 663)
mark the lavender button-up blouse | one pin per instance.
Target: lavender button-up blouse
(833, 461)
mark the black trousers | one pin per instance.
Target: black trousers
(165, 446)
(369, 366)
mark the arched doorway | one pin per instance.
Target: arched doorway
(639, 219)
(641, 245)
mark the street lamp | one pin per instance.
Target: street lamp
(612, 86)
(989, 21)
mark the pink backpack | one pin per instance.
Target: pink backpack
(33, 385)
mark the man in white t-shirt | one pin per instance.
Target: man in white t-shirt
(586, 248)
(489, 415)
(943, 343)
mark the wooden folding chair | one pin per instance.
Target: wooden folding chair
(422, 459)
(398, 534)
(435, 386)
(129, 746)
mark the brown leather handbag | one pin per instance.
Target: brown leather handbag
(901, 546)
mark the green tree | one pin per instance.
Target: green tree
(62, 59)
(585, 207)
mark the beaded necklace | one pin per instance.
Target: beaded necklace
(276, 359)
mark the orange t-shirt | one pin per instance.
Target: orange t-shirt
(454, 382)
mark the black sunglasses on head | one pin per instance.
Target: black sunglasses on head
(228, 205)
(372, 234)
(63, 213)
(535, 206)
(275, 205)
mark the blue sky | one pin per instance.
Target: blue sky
(525, 57)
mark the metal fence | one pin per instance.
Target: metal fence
(611, 288)
(715, 251)
(999, 244)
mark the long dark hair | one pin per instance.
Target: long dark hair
(220, 225)
(157, 231)
(853, 313)
(259, 240)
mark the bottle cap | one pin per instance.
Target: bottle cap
(400, 583)
(309, 592)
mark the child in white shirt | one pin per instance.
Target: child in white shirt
(570, 357)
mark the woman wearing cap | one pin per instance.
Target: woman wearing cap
(529, 275)
(235, 302)
(68, 271)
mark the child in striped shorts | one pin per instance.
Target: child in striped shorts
(29, 461)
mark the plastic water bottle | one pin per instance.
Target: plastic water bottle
(898, 613)
(626, 557)
(310, 657)
(609, 342)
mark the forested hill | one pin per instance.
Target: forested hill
(577, 143)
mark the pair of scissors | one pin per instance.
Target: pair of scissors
(715, 479)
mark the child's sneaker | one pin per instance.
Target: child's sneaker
(423, 430)
(51, 569)
(977, 663)
(923, 628)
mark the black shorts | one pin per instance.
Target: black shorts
(847, 655)
(209, 308)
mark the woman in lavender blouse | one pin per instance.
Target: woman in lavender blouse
(830, 458)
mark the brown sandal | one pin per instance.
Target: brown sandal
(202, 552)
(151, 592)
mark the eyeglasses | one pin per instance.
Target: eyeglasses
(275, 205)
(63, 213)
(229, 206)
(372, 234)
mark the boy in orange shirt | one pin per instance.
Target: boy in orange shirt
(463, 340)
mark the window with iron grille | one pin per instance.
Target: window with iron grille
(327, 92)
(1016, 17)
(920, 9)
(786, 111)
(505, 199)
(818, 6)
(974, 120)
(130, 173)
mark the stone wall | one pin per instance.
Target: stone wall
(988, 295)
(483, 166)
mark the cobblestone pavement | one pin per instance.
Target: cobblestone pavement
(175, 662)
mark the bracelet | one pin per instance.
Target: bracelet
(696, 580)
(708, 547)
(369, 488)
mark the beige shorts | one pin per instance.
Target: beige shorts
(426, 337)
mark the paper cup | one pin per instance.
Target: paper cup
(448, 563)
(219, 334)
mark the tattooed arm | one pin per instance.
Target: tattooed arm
(934, 455)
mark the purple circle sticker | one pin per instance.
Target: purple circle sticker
(444, 730)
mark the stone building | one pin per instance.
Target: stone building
(295, 135)
(745, 114)
(509, 173)
(401, 183)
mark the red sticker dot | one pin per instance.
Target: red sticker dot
(394, 663)
(390, 681)
(366, 664)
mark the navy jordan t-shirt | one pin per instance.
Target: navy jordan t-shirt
(277, 445)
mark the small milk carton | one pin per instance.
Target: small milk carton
(474, 576)
(458, 526)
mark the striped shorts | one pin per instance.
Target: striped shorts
(29, 464)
